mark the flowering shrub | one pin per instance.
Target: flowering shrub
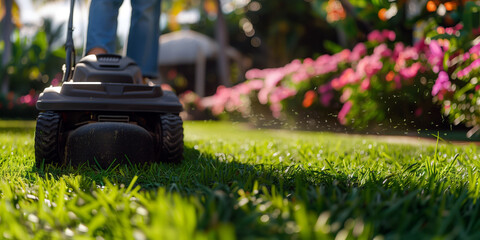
(376, 80)
(457, 84)
(390, 82)
(14, 106)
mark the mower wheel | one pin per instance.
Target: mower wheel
(171, 143)
(47, 138)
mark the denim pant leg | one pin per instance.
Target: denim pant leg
(142, 44)
(102, 24)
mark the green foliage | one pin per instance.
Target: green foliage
(247, 184)
(34, 62)
(471, 16)
(283, 29)
(34, 65)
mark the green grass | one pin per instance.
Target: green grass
(241, 183)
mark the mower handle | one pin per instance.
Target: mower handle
(69, 48)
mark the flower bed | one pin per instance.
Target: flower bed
(13, 106)
(378, 82)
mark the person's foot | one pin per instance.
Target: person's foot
(97, 50)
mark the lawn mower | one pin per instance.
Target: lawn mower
(104, 113)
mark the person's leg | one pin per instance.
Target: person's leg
(102, 26)
(142, 44)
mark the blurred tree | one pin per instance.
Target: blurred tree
(282, 30)
(9, 14)
(214, 9)
(26, 63)
(269, 33)
(221, 36)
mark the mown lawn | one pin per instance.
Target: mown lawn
(248, 184)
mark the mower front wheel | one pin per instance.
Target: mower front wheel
(47, 149)
(171, 138)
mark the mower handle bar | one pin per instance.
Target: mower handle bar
(69, 47)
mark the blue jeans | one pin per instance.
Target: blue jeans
(142, 43)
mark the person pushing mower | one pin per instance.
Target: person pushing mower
(142, 43)
(104, 113)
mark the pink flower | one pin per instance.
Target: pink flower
(254, 73)
(308, 61)
(56, 80)
(475, 64)
(357, 52)
(300, 76)
(342, 56)
(228, 99)
(263, 95)
(435, 56)
(217, 101)
(189, 97)
(276, 72)
(369, 66)
(464, 72)
(410, 72)
(337, 84)
(435, 48)
(382, 51)
(326, 94)
(327, 87)
(365, 84)
(420, 46)
(442, 84)
(375, 35)
(407, 54)
(323, 59)
(458, 27)
(398, 81)
(326, 98)
(398, 49)
(243, 88)
(348, 76)
(347, 93)
(255, 84)
(281, 93)
(304, 72)
(450, 30)
(378, 36)
(276, 109)
(272, 79)
(326, 64)
(388, 34)
(475, 49)
(344, 111)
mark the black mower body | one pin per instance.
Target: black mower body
(105, 114)
(98, 96)
(108, 82)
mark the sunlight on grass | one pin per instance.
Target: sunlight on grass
(238, 182)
